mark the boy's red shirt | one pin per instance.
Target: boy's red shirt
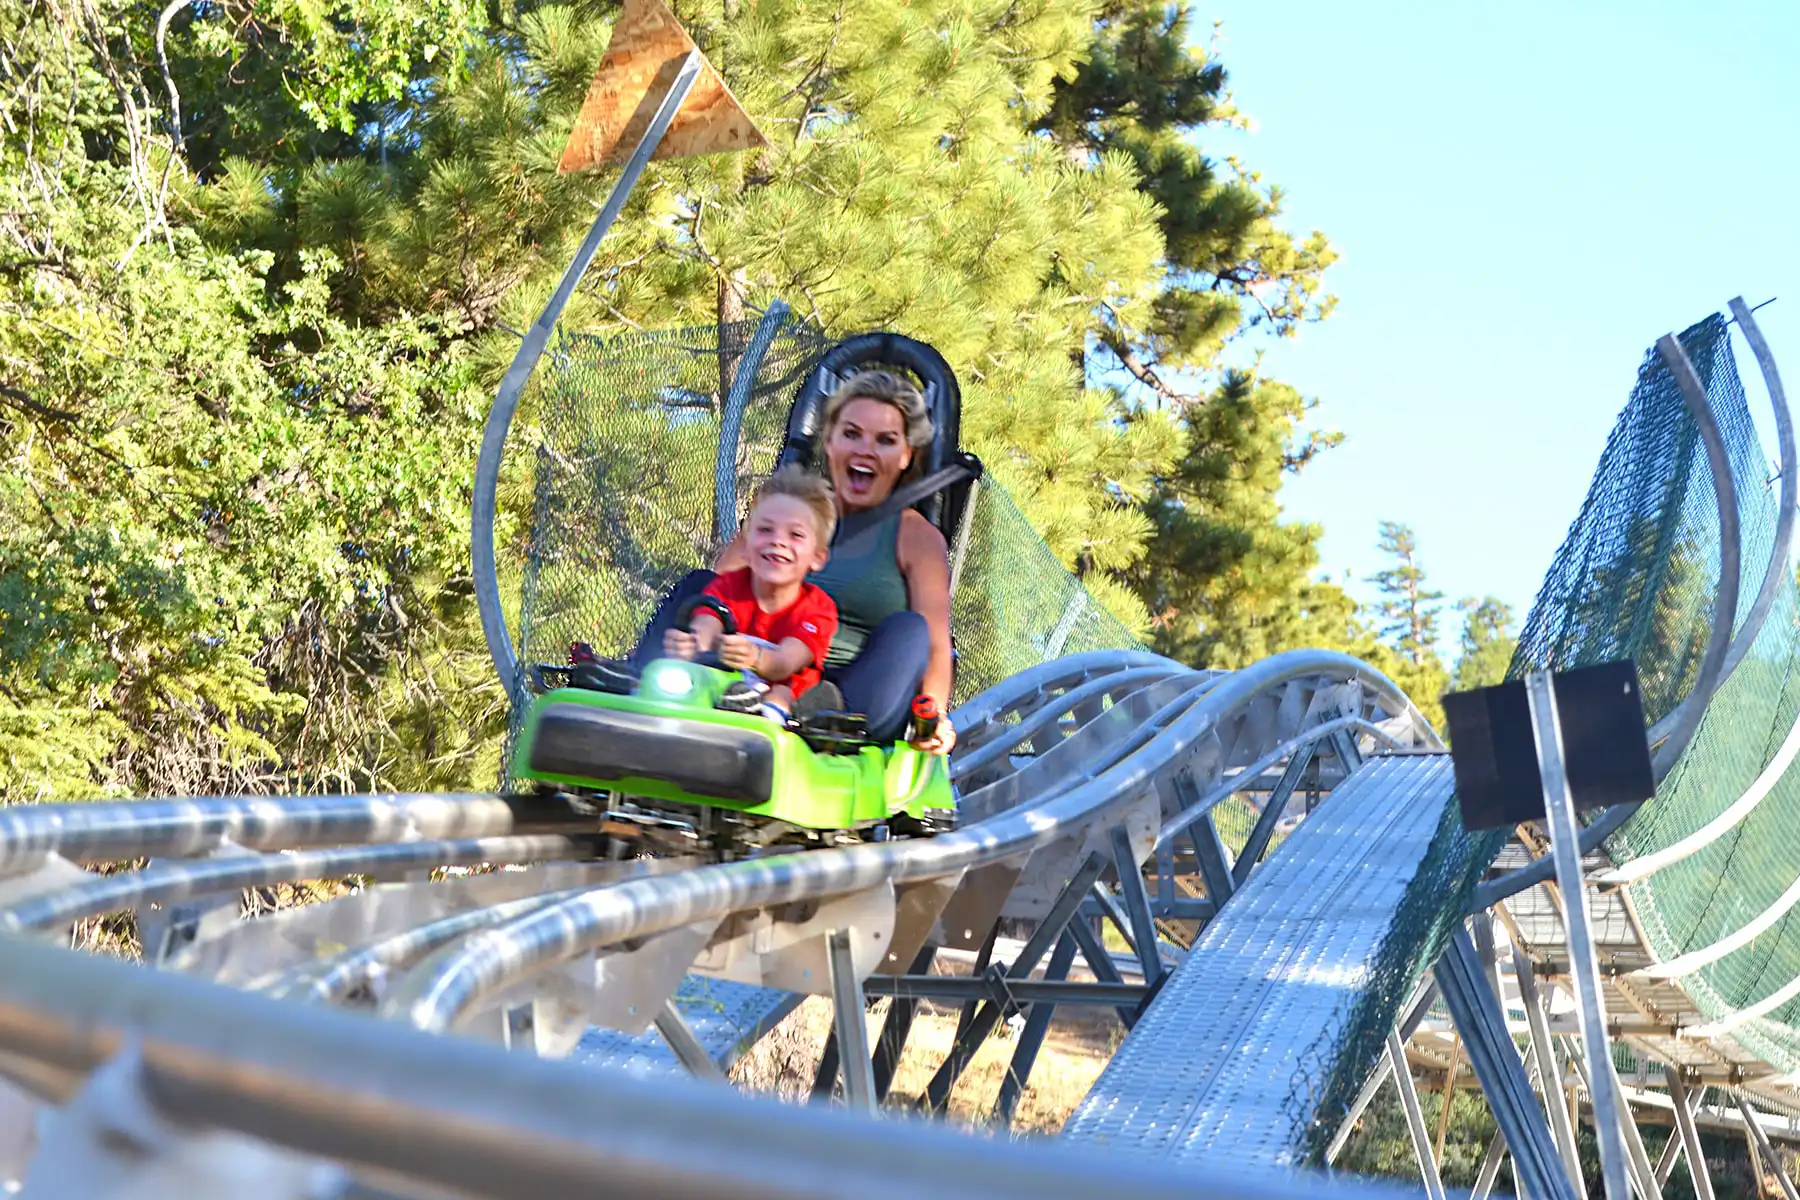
(812, 617)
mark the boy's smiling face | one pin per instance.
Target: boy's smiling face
(784, 541)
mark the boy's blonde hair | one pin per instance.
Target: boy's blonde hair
(814, 491)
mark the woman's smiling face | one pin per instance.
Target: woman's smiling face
(866, 452)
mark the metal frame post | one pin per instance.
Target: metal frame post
(731, 420)
(1415, 1119)
(687, 1048)
(1549, 1070)
(1565, 848)
(1049, 931)
(1643, 1175)
(1475, 1009)
(1137, 905)
(1271, 814)
(531, 348)
(891, 1043)
(850, 1021)
(1031, 1038)
(1762, 1143)
(1687, 1136)
(1416, 1009)
(1101, 964)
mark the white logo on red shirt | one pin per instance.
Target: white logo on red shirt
(809, 627)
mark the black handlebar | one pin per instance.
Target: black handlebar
(684, 616)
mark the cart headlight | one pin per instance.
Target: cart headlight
(673, 682)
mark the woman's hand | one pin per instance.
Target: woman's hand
(942, 739)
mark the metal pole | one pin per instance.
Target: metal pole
(851, 1023)
(1415, 1120)
(1565, 848)
(731, 421)
(1687, 1135)
(1549, 1071)
(1762, 1143)
(688, 1050)
(1638, 1159)
(512, 385)
(1490, 1166)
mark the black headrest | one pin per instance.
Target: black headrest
(943, 400)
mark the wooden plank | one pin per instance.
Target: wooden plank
(647, 47)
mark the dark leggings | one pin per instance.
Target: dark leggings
(880, 682)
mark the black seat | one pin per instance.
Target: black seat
(906, 356)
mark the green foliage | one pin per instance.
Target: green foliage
(1488, 643)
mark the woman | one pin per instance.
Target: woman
(891, 581)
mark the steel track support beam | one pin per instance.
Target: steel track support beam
(1049, 931)
(1209, 852)
(1590, 1008)
(1549, 1073)
(1475, 1009)
(1415, 1119)
(1755, 1130)
(1031, 1039)
(1101, 964)
(1687, 1137)
(1490, 1167)
(850, 1022)
(1137, 905)
(1271, 814)
(897, 1027)
(688, 1051)
(1421, 1002)
(1112, 910)
(1643, 1175)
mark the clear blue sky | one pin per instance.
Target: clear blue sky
(1524, 197)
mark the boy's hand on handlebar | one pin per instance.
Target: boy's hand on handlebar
(942, 739)
(680, 643)
(736, 650)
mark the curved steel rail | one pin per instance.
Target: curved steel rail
(491, 961)
(1671, 735)
(1773, 579)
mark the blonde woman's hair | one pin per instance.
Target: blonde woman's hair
(888, 388)
(814, 491)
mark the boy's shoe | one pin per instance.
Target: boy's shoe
(775, 713)
(822, 696)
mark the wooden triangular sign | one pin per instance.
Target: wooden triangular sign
(640, 66)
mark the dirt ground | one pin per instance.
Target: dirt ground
(1073, 1055)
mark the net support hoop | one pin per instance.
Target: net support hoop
(512, 385)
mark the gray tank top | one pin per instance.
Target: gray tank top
(863, 578)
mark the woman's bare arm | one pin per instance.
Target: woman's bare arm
(925, 562)
(732, 556)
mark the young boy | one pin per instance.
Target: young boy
(787, 536)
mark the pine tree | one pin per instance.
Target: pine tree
(1488, 643)
(1409, 609)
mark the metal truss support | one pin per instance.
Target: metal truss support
(1112, 910)
(688, 1050)
(1137, 905)
(1761, 1139)
(1049, 931)
(897, 1027)
(1209, 852)
(1637, 1160)
(1476, 1011)
(1415, 1119)
(1031, 1039)
(1423, 997)
(1590, 1009)
(1490, 1167)
(1101, 964)
(1271, 814)
(851, 1022)
(1549, 1073)
(1687, 1137)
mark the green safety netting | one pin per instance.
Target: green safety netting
(1636, 577)
(631, 466)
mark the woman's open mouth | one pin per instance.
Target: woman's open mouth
(860, 478)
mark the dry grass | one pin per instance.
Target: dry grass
(1074, 1053)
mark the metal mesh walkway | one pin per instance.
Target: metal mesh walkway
(1249, 1035)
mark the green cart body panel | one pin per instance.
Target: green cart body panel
(667, 741)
